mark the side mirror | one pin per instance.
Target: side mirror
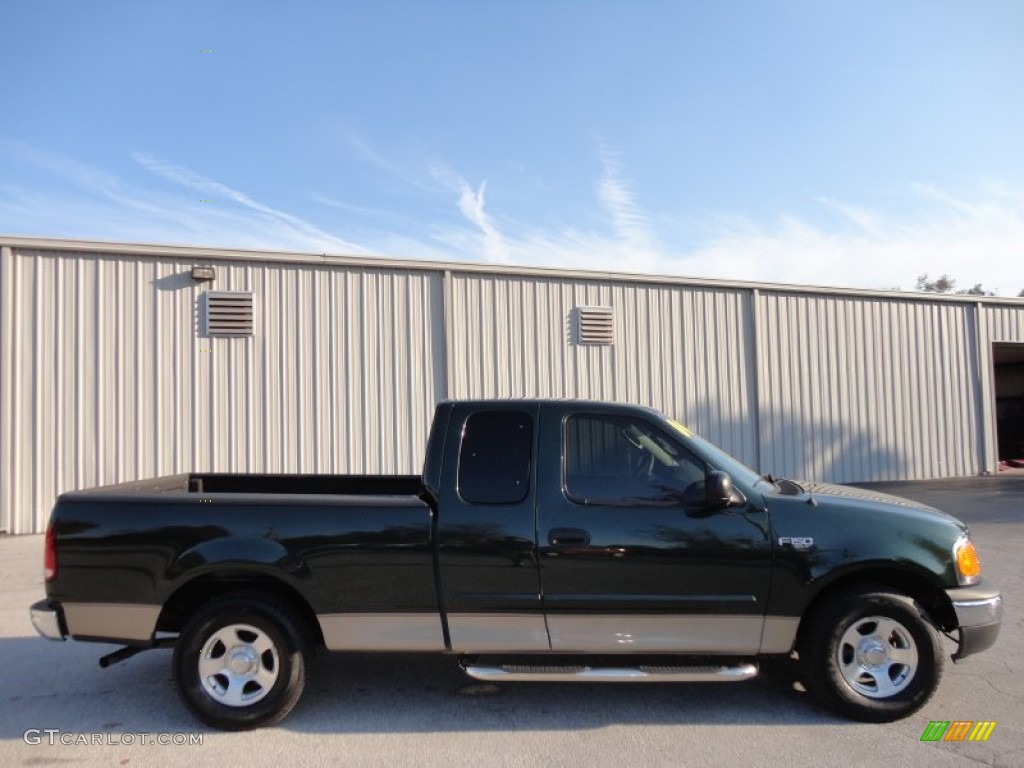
(721, 493)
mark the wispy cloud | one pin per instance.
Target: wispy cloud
(631, 225)
(371, 156)
(866, 221)
(382, 216)
(975, 236)
(192, 180)
(471, 205)
(77, 172)
(94, 202)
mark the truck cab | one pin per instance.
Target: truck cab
(576, 528)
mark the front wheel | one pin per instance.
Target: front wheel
(240, 663)
(870, 655)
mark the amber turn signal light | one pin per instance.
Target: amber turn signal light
(967, 563)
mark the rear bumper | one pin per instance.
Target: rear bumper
(979, 615)
(48, 620)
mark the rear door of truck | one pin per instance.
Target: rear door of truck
(632, 559)
(487, 529)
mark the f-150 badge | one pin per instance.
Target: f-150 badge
(796, 542)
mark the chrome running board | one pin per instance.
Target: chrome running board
(514, 673)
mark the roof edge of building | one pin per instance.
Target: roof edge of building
(199, 253)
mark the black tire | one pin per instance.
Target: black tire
(240, 662)
(869, 654)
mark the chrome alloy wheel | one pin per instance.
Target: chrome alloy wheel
(238, 665)
(877, 657)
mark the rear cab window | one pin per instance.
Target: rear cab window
(494, 457)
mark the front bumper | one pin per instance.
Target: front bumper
(979, 615)
(48, 620)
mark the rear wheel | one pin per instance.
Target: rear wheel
(870, 655)
(240, 663)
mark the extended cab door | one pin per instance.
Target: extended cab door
(486, 530)
(633, 560)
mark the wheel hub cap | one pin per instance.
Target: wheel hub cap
(877, 656)
(242, 660)
(872, 653)
(238, 665)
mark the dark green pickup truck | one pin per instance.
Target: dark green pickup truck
(546, 540)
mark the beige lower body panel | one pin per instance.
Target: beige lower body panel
(490, 633)
(656, 634)
(498, 633)
(779, 634)
(382, 632)
(117, 621)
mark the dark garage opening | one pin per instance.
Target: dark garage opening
(1008, 360)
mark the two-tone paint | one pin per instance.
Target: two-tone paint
(128, 560)
(409, 564)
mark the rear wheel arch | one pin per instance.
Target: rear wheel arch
(193, 596)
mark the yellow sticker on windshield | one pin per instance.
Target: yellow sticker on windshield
(681, 428)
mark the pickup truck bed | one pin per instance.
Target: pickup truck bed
(213, 482)
(326, 537)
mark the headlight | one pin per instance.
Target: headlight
(968, 566)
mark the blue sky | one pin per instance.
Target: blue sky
(855, 143)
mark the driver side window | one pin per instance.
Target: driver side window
(622, 461)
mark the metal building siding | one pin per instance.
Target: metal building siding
(867, 389)
(1004, 324)
(339, 376)
(78, 381)
(997, 324)
(105, 378)
(681, 350)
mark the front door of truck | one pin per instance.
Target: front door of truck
(633, 560)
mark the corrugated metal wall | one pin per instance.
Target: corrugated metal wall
(998, 324)
(681, 350)
(104, 377)
(871, 389)
(1004, 324)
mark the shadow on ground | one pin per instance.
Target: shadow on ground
(347, 693)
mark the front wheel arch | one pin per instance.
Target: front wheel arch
(931, 597)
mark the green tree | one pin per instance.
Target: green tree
(946, 284)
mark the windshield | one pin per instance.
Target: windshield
(715, 456)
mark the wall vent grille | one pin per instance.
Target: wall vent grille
(227, 313)
(595, 326)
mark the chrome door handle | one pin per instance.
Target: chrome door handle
(568, 537)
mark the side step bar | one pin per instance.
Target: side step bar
(514, 673)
